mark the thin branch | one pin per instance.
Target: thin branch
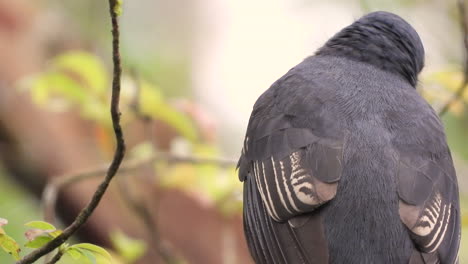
(148, 219)
(56, 258)
(140, 208)
(49, 195)
(462, 89)
(118, 155)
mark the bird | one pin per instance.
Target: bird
(344, 162)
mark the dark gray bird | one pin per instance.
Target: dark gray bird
(344, 162)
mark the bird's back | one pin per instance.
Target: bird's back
(362, 224)
(343, 162)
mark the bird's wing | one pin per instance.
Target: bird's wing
(428, 191)
(288, 170)
(295, 171)
(301, 240)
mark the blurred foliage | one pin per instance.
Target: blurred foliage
(152, 103)
(463, 253)
(213, 183)
(439, 88)
(373, 5)
(73, 79)
(118, 8)
(160, 57)
(442, 85)
(129, 249)
(456, 129)
(42, 233)
(16, 205)
(77, 80)
(7, 243)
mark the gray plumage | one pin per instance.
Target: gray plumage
(344, 162)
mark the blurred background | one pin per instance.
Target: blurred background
(192, 72)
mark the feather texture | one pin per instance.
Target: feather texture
(343, 162)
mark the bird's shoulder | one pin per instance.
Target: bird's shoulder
(293, 138)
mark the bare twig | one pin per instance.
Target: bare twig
(118, 155)
(462, 89)
(148, 219)
(49, 195)
(56, 258)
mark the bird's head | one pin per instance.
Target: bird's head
(382, 39)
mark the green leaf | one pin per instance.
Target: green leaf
(10, 246)
(152, 103)
(38, 242)
(440, 87)
(74, 253)
(97, 111)
(93, 248)
(40, 225)
(118, 8)
(86, 68)
(55, 233)
(130, 249)
(90, 256)
(57, 90)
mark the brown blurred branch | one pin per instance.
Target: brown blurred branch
(49, 195)
(118, 155)
(462, 89)
(137, 204)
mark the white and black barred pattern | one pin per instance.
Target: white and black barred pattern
(433, 223)
(288, 188)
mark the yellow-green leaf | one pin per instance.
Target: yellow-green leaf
(89, 255)
(130, 249)
(38, 242)
(97, 111)
(40, 225)
(10, 246)
(86, 67)
(93, 248)
(118, 8)
(74, 253)
(152, 103)
(55, 233)
(53, 88)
